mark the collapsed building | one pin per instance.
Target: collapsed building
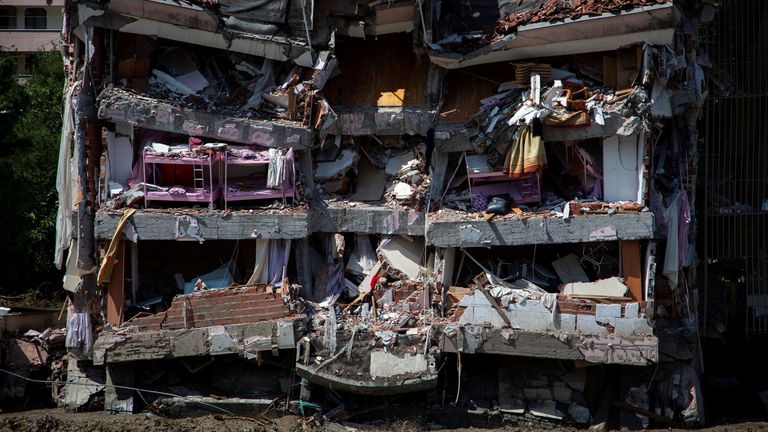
(487, 203)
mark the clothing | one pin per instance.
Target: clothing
(526, 154)
(275, 169)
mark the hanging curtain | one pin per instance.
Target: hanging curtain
(261, 266)
(279, 253)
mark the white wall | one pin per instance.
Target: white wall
(54, 16)
(622, 167)
(120, 154)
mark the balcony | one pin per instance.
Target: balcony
(22, 40)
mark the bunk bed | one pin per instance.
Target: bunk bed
(256, 185)
(164, 163)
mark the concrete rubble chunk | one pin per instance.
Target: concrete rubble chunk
(610, 287)
(386, 365)
(404, 255)
(569, 269)
(77, 395)
(398, 163)
(221, 341)
(546, 409)
(579, 413)
(337, 168)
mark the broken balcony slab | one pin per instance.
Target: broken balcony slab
(630, 350)
(118, 105)
(243, 339)
(208, 225)
(383, 121)
(609, 31)
(188, 23)
(447, 231)
(457, 137)
(335, 217)
(373, 387)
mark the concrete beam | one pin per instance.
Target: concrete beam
(187, 25)
(609, 31)
(153, 225)
(540, 230)
(118, 105)
(334, 218)
(625, 350)
(383, 121)
(112, 347)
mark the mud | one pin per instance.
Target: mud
(55, 420)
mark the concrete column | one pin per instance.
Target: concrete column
(119, 400)
(305, 172)
(439, 172)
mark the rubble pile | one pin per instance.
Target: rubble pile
(226, 83)
(31, 350)
(394, 176)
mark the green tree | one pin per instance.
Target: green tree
(30, 125)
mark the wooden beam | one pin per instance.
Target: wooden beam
(116, 288)
(631, 267)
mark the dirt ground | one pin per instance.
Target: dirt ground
(56, 420)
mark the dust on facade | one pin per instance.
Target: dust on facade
(480, 211)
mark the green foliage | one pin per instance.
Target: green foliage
(30, 124)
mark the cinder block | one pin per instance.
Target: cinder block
(631, 310)
(529, 321)
(604, 312)
(566, 323)
(632, 326)
(588, 324)
(528, 306)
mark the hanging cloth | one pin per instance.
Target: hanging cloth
(526, 153)
(261, 265)
(334, 256)
(275, 169)
(279, 254)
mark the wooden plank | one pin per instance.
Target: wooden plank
(631, 267)
(116, 288)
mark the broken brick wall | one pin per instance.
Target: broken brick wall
(217, 307)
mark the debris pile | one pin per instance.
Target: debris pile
(347, 170)
(222, 82)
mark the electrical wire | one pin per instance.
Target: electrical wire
(136, 389)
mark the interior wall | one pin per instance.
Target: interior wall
(378, 72)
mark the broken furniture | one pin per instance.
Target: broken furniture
(182, 176)
(256, 185)
(485, 182)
